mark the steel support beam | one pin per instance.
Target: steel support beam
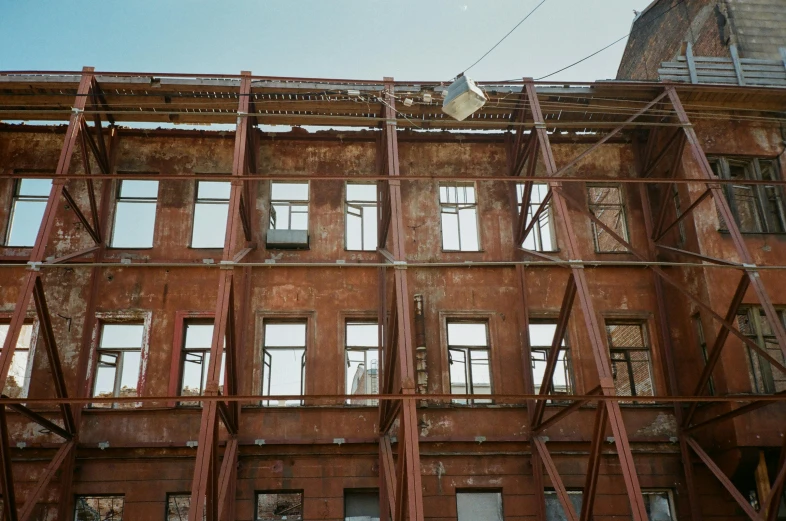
(49, 472)
(6, 472)
(205, 485)
(556, 480)
(593, 468)
(593, 327)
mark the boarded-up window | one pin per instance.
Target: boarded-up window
(757, 208)
(361, 505)
(27, 210)
(18, 381)
(99, 508)
(474, 506)
(459, 216)
(279, 506)
(178, 505)
(605, 203)
(754, 324)
(630, 358)
(554, 510)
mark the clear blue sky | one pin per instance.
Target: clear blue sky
(360, 39)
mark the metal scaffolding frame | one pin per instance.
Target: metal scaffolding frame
(401, 495)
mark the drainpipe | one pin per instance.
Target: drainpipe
(420, 349)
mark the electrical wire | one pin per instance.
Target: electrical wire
(503, 38)
(680, 2)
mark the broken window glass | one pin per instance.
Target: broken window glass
(119, 362)
(288, 206)
(541, 336)
(605, 203)
(468, 355)
(18, 380)
(361, 505)
(459, 214)
(99, 508)
(361, 217)
(178, 505)
(279, 506)
(210, 214)
(756, 208)
(554, 510)
(658, 505)
(361, 351)
(197, 339)
(27, 210)
(474, 506)
(699, 328)
(754, 324)
(284, 362)
(541, 237)
(135, 214)
(630, 359)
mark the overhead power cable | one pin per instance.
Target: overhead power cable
(609, 45)
(503, 38)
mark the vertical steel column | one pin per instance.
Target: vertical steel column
(594, 328)
(665, 341)
(204, 488)
(409, 490)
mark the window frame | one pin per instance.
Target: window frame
(16, 197)
(277, 317)
(650, 348)
(537, 230)
(207, 201)
(181, 494)
(30, 319)
(595, 229)
(179, 353)
(670, 495)
(566, 347)
(359, 491)
(487, 317)
(129, 317)
(481, 490)
(458, 207)
(272, 218)
(133, 200)
(99, 496)
(362, 205)
(357, 318)
(701, 341)
(547, 492)
(721, 166)
(768, 384)
(257, 493)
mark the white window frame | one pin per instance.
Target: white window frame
(32, 321)
(361, 208)
(455, 208)
(545, 220)
(290, 203)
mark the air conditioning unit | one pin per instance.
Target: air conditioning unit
(463, 99)
(287, 240)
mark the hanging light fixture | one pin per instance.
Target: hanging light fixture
(463, 98)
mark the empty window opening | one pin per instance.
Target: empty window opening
(119, 363)
(541, 336)
(459, 213)
(541, 237)
(210, 214)
(474, 506)
(468, 355)
(284, 362)
(756, 208)
(361, 217)
(18, 380)
(699, 328)
(659, 505)
(27, 210)
(630, 358)
(754, 324)
(135, 214)
(99, 508)
(289, 206)
(279, 506)
(362, 354)
(675, 196)
(178, 505)
(605, 203)
(554, 510)
(361, 505)
(197, 339)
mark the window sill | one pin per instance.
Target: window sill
(726, 232)
(463, 251)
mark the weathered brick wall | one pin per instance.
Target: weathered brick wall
(759, 27)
